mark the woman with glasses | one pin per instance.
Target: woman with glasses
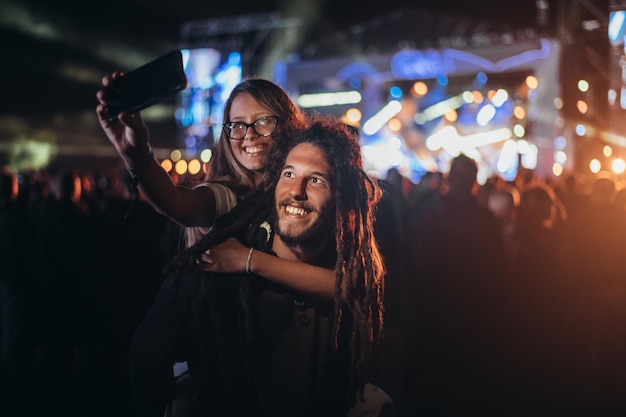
(253, 114)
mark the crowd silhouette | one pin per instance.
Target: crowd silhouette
(501, 299)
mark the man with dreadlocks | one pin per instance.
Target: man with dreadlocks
(296, 347)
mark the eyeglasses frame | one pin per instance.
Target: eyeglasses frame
(252, 125)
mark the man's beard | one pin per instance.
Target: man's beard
(320, 230)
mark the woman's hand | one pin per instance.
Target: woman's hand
(226, 257)
(128, 134)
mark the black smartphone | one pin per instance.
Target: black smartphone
(146, 85)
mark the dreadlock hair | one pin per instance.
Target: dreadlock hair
(359, 265)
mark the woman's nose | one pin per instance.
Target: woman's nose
(253, 135)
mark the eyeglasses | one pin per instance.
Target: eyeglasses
(262, 127)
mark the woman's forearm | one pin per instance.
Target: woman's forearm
(184, 205)
(307, 279)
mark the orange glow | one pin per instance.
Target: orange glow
(181, 167)
(354, 115)
(532, 82)
(420, 88)
(477, 96)
(194, 166)
(394, 125)
(451, 115)
(519, 112)
(167, 165)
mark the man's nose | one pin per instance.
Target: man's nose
(298, 189)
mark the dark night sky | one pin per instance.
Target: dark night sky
(56, 51)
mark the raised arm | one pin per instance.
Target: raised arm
(130, 137)
(232, 257)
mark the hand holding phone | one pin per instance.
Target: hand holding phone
(146, 85)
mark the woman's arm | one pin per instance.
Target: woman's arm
(231, 257)
(130, 137)
(186, 206)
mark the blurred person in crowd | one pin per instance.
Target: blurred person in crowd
(395, 178)
(483, 191)
(397, 347)
(503, 202)
(460, 257)
(541, 303)
(14, 357)
(596, 237)
(61, 239)
(424, 195)
(302, 345)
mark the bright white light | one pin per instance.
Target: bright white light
(436, 140)
(449, 139)
(377, 121)
(508, 156)
(487, 138)
(522, 146)
(381, 157)
(618, 165)
(616, 26)
(485, 114)
(529, 159)
(595, 166)
(581, 130)
(611, 96)
(519, 130)
(439, 109)
(395, 143)
(329, 99)
(500, 97)
(560, 157)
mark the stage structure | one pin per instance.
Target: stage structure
(417, 108)
(420, 88)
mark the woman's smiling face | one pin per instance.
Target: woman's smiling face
(251, 150)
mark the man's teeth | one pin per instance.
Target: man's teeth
(295, 210)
